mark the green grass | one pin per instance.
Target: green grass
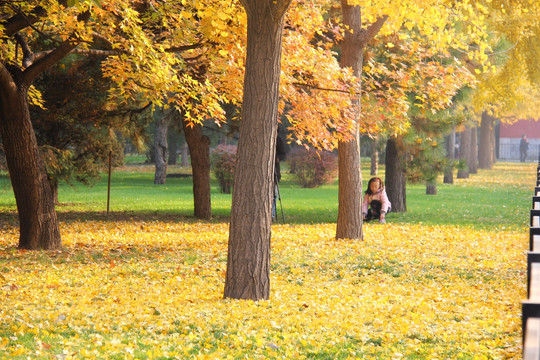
(492, 198)
(444, 280)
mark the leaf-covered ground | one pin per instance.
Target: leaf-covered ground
(153, 290)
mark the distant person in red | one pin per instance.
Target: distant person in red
(523, 148)
(376, 204)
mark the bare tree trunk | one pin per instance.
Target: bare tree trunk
(395, 176)
(450, 155)
(473, 155)
(431, 189)
(185, 155)
(487, 142)
(464, 153)
(35, 203)
(161, 147)
(374, 158)
(248, 260)
(199, 148)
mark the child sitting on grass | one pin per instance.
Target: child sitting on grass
(376, 203)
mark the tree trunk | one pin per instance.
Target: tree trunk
(395, 176)
(185, 155)
(199, 147)
(173, 146)
(349, 221)
(473, 154)
(248, 261)
(54, 190)
(464, 153)
(161, 146)
(487, 142)
(450, 155)
(35, 203)
(374, 158)
(431, 189)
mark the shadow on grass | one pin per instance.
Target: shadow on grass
(12, 218)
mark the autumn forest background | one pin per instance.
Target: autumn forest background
(137, 152)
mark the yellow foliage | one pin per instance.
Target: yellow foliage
(149, 289)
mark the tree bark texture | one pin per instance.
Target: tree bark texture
(464, 152)
(199, 148)
(248, 262)
(35, 203)
(473, 155)
(486, 148)
(349, 221)
(395, 176)
(450, 155)
(161, 147)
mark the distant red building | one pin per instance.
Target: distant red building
(510, 136)
(531, 128)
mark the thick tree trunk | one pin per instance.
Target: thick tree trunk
(450, 155)
(349, 221)
(473, 154)
(487, 142)
(161, 148)
(431, 189)
(35, 203)
(395, 176)
(199, 147)
(464, 153)
(248, 261)
(374, 169)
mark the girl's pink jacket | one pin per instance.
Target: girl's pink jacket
(379, 195)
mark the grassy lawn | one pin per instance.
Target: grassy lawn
(443, 280)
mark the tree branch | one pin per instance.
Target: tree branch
(372, 30)
(53, 57)
(21, 21)
(28, 55)
(181, 48)
(126, 112)
(319, 88)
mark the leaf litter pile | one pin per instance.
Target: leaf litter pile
(153, 290)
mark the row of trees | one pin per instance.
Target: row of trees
(374, 67)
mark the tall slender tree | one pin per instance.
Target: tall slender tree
(349, 221)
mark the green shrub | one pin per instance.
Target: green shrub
(223, 162)
(313, 168)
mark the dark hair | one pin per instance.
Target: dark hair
(368, 191)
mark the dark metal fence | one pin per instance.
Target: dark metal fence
(510, 152)
(530, 308)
